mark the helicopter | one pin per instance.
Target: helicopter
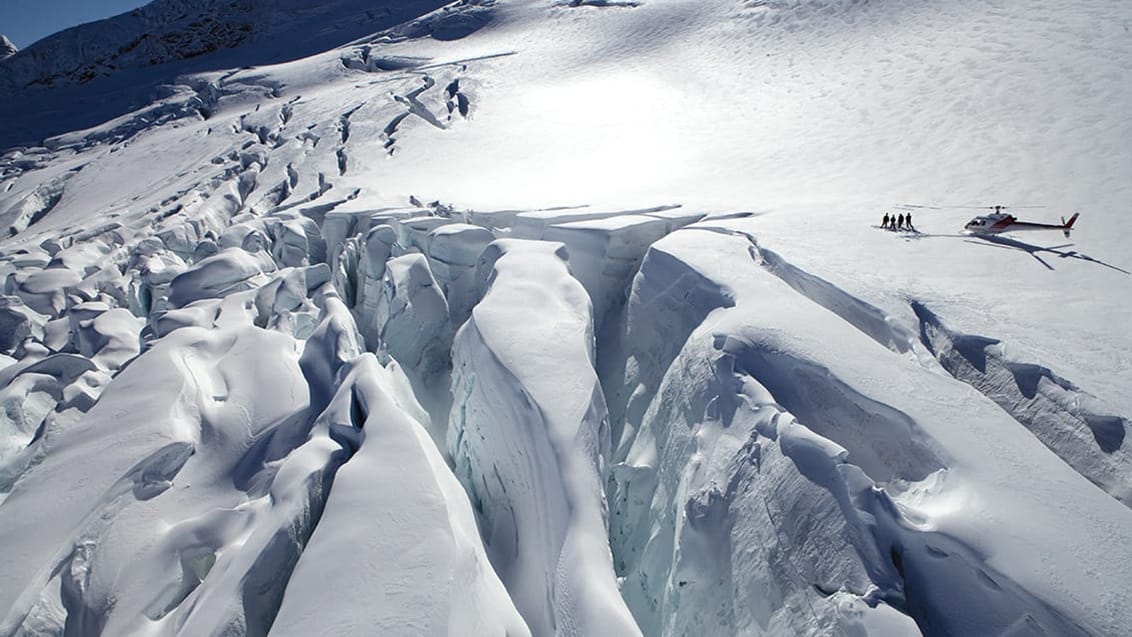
(999, 221)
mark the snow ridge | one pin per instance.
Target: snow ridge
(534, 464)
(1072, 423)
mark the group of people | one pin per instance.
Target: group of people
(897, 222)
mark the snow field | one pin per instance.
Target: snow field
(252, 384)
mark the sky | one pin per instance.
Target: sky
(26, 21)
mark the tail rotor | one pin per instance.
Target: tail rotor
(1067, 226)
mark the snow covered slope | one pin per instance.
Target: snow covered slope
(7, 49)
(169, 30)
(513, 317)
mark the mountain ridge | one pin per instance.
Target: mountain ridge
(166, 31)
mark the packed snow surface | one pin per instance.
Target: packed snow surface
(513, 317)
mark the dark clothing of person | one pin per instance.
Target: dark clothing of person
(900, 222)
(884, 224)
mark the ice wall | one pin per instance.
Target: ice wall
(529, 435)
(776, 425)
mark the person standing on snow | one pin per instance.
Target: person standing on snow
(908, 221)
(884, 223)
(900, 222)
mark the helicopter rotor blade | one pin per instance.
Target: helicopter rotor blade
(1000, 207)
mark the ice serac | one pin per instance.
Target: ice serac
(529, 437)
(398, 538)
(146, 506)
(377, 249)
(414, 317)
(413, 232)
(231, 270)
(790, 471)
(453, 251)
(605, 253)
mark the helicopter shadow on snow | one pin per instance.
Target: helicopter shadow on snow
(1036, 251)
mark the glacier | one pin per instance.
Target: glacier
(510, 317)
